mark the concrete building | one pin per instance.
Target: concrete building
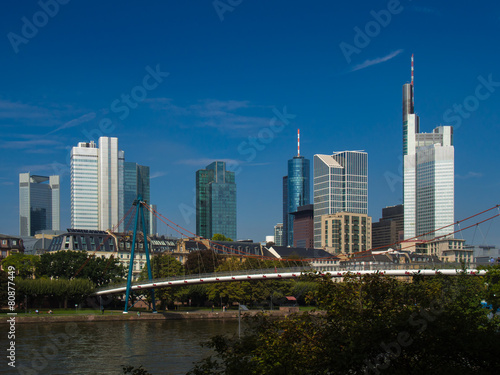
(346, 232)
(303, 226)
(340, 185)
(389, 229)
(278, 234)
(39, 203)
(428, 176)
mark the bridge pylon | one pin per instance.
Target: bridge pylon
(139, 214)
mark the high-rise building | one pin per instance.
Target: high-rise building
(84, 186)
(39, 203)
(136, 182)
(97, 196)
(215, 201)
(303, 226)
(389, 229)
(278, 234)
(296, 193)
(340, 185)
(428, 177)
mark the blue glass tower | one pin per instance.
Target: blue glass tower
(295, 194)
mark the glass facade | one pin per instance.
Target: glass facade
(340, 185)
(296, 194)
(215, 201)
(136, 181)
(39, 202)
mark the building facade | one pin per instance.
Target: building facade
(428, 175)
(340, 185)
(346, 232)
(39, 203)
(278, 234)
(136, 181)
(303, 226)
(389, 229)
(215, 201)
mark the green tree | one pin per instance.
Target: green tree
(202, 261)
(220, 237)
(492, 280)
(164, 266)
(24, 264)
(370, 324)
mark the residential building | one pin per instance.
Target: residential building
(389, 229)
(9, 245)
(278, 234)
(39, 203)
(303, 226)
(428, 175)
(346, 232)
(296, 193)
(340, 185)
(317, 259)
(215, 201)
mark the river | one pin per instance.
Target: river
(162, 347)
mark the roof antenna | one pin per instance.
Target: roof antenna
(412, 69)
(298, 142)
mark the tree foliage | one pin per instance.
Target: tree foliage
(24, 264)
(369, 325)
(202, 261)
(220, 237)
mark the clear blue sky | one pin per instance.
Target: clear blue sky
(230, 71)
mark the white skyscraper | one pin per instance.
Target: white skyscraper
(84, 186)
(428, 177)
(96, 184)
(340, 185)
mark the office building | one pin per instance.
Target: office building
(340, 185)
(346, 232)
(136, 181)
(303, 226)
(296, 186)
(215, 201)
(97, 196)
(389, 229)
(39, 203)
(428, 174)
(278, 234)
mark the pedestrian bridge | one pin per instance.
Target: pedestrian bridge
(269, 274)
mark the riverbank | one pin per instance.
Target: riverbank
(181, 315)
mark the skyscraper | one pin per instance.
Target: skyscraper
(340, 185)
(215, 201)
(278, 234)
(136, 182)
(296, 191)
(428, 177)
(39, 203)
(96, 184)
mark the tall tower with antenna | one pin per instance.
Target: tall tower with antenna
(296, 191)
(428, 172)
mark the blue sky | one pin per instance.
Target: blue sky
(233, 80)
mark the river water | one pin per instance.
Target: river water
(162, 347)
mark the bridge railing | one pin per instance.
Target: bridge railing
(402, 266)
(210, 275)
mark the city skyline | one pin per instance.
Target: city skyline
(191, 86)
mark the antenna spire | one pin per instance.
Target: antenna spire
(298, 142)
(412, 69)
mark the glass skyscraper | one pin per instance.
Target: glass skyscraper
(136, 181)
(340, 185)
(39, 203)
(215, 201)
(428, 176)
(296, 193)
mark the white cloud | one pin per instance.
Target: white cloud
(376, 61)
